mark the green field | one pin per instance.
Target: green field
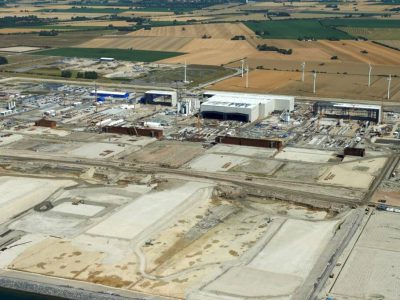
(118, 54)
(295, 29)
(365, 23)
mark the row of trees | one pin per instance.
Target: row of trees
(3, 60)
(23, 21)
(85, 75)
(265, 47)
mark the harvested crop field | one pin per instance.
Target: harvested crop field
(18, 30)
(97, 23)
(353, 49)
(18, 49)
(394, 44)
(141, 43)
(259, 81)
(59, 15)
(213, 52)
(327, 85)
(323, 50)
(217, 31)
(374, 33)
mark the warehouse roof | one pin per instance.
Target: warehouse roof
(100, 92)
(241, 100)
(248, 95)
(351, 105)
(167, 93)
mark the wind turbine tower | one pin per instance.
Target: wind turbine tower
(95, 95)
(315, 79)
(185, 73)
(303, 68)
(369, 74)
(389, 82)
(247, 76)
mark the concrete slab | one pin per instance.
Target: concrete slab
(97, 150)
(301, 241)
(307, 155)
(216, 162)
(22, 193)
(48, 223)
(81, 209)
(148, 209)
(247, 282)
(242, 150)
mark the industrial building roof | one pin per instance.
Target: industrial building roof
(241, 99)
(168, 93)
(100, 92)
(248, 95)
(351, 105)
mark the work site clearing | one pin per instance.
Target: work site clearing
(184, 150)
(173, 235)
(183, 234)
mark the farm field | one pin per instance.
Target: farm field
(61, 40)
(213, 52)
(215, 31)
(294, 29)
(141, 43)
(119, 54)
(362, 23)
(289, 83)
(394, 44)
(321, 51)
(58, 15)
(374, 33)
(18, 30)
(94, 23)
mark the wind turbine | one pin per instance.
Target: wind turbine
(185, 70)
(315, 79)
(389, 82)
(242, 60)
(247, 76)
(303, 68)
(369, 74)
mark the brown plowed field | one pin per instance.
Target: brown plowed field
(327, 85)
(346, 51)
(213, 52)
(376, 54)
(217, 31)
(139, 43)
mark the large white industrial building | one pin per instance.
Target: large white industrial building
(243, 107)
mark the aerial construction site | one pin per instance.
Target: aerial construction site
(161, 154)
